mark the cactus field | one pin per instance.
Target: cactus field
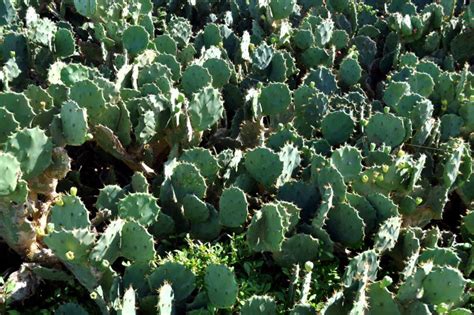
(253, 157)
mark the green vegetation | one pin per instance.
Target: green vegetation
(236, 157)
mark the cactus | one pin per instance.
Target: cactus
(86, 8)
(186, 179)
(64, 43)
(194, 79)
(70, 214)
(330, 176)
(323, 79)
(9, 125)
(348, 161)
(139, 183)
(32, 148)
(340, 134)
(180, 30)
(141, 207)
(136, 243)
(261, 305)
(290, 157)
(381, 301)
(151, 73)
(135, 39)
(421, 83)
(350, 71)
(107, 247)
(220, 285)
(365, 210)
(302, 309)
(165, 302)
(74, 123)
(366, 263)
(453, 163)
(165, 44)
(387, 235)
(314, 57)
(108, 198)
(181, 279)
(303, 39)
(209, 229)
(70, 308)
(262, 57)
(71, 245)
(386, 128)
(203, 160)
(219, 70)
(279, 69)
(282, 8)
(205, 108)
(394, 93)
(88, 95)
(324, 31)
(39, 98)
(194, 209)
(326, 205)
(367, 49)
(298, 249)
(11, 170)
(233, 207)
(303, 195)
(211, 35)
(440, 257)
(267, 135)
(443, 285)
(264, 166)
(285, 134)
(19, 106)
(344, 225)
(384, 207)
(451, 125)
(128, 302)
(309, 111)
(275, 99)
(266, 232)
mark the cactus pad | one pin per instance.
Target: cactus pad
(11, 173)
(233, 207)
(135, 39)
(136, 243)
(203, 160)
(195, 210)
(32, 148)
(71, 214)
(344, 225)
(74, 123)
(348, 161)
(259, 305)
(205, 108)
(265, 232)
(141, 207)
(337, 127)
(443, 285)
(264, 166)
(275, 99)
(186, 179)
(181, 279)
(221, 286)
(386, 128)
(195, 78)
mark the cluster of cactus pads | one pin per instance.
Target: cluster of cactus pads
(322, 132)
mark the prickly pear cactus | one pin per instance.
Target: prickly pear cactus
(221, 286)
(190, 157)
